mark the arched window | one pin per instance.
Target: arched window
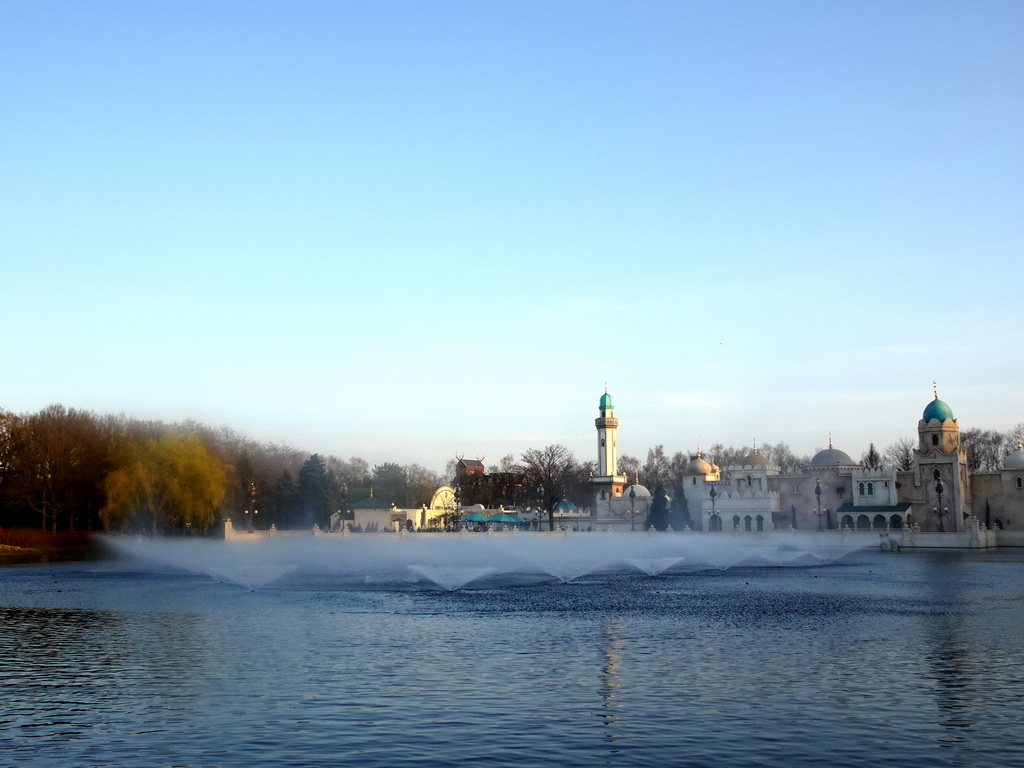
(1020, 483)
(936, 475)
(747, 523)
(735, 522)
(871, 489)
(749, 480)
(760, 522)
(860, 488)
(694, 481)
(935, 439)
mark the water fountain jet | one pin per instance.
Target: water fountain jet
(451, 561)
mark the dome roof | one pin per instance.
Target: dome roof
(937, 409)
(564, 506)
(698, 466)
(1015, 460)
(832, 457)
(755, 459)
(639, 490)
(606, 401)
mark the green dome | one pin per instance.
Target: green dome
(937, 410)
(606, 401)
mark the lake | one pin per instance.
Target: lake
(873, 659)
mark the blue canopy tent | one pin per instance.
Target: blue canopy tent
(508, 518)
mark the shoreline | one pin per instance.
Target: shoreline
(21, 547)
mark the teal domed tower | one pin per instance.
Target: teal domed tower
(942, 495)
(607, 482)
(938, 429)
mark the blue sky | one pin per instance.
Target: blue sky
(405, 230)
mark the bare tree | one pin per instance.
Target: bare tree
(782, 456)
(11, 437)
(1015, 435)
(61, 461)
(630, 467)
(728, 457)
(656, 469)
(552, 469)
(422, 484)
(985, 449)
(900, 454)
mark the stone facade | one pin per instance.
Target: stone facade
(834, 492)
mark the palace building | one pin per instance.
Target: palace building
(832, 492)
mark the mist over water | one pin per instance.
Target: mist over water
(457, 561)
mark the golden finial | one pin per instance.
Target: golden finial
(830, 441)
(935, 387)
(636, 478)
(371, 491)
(755, 446)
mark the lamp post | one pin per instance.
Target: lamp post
(344, 505)
(252, 505)
(632, 508)
(453, 509)
(714, 495)
(541, 509)
(938, 510)
(817, 492)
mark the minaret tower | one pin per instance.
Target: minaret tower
(940, 462)
(607, 482)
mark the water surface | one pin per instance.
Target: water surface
(879, 659)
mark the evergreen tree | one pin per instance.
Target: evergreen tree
(391, 484)
(871, 459)
(282, 503)
(679, 510)
(314, 493)
(657, 518)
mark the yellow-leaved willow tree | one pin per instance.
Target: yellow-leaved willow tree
(171, 482)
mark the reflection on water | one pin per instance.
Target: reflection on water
(886, 660)
(612, 650)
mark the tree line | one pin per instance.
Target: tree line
(63, 469)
